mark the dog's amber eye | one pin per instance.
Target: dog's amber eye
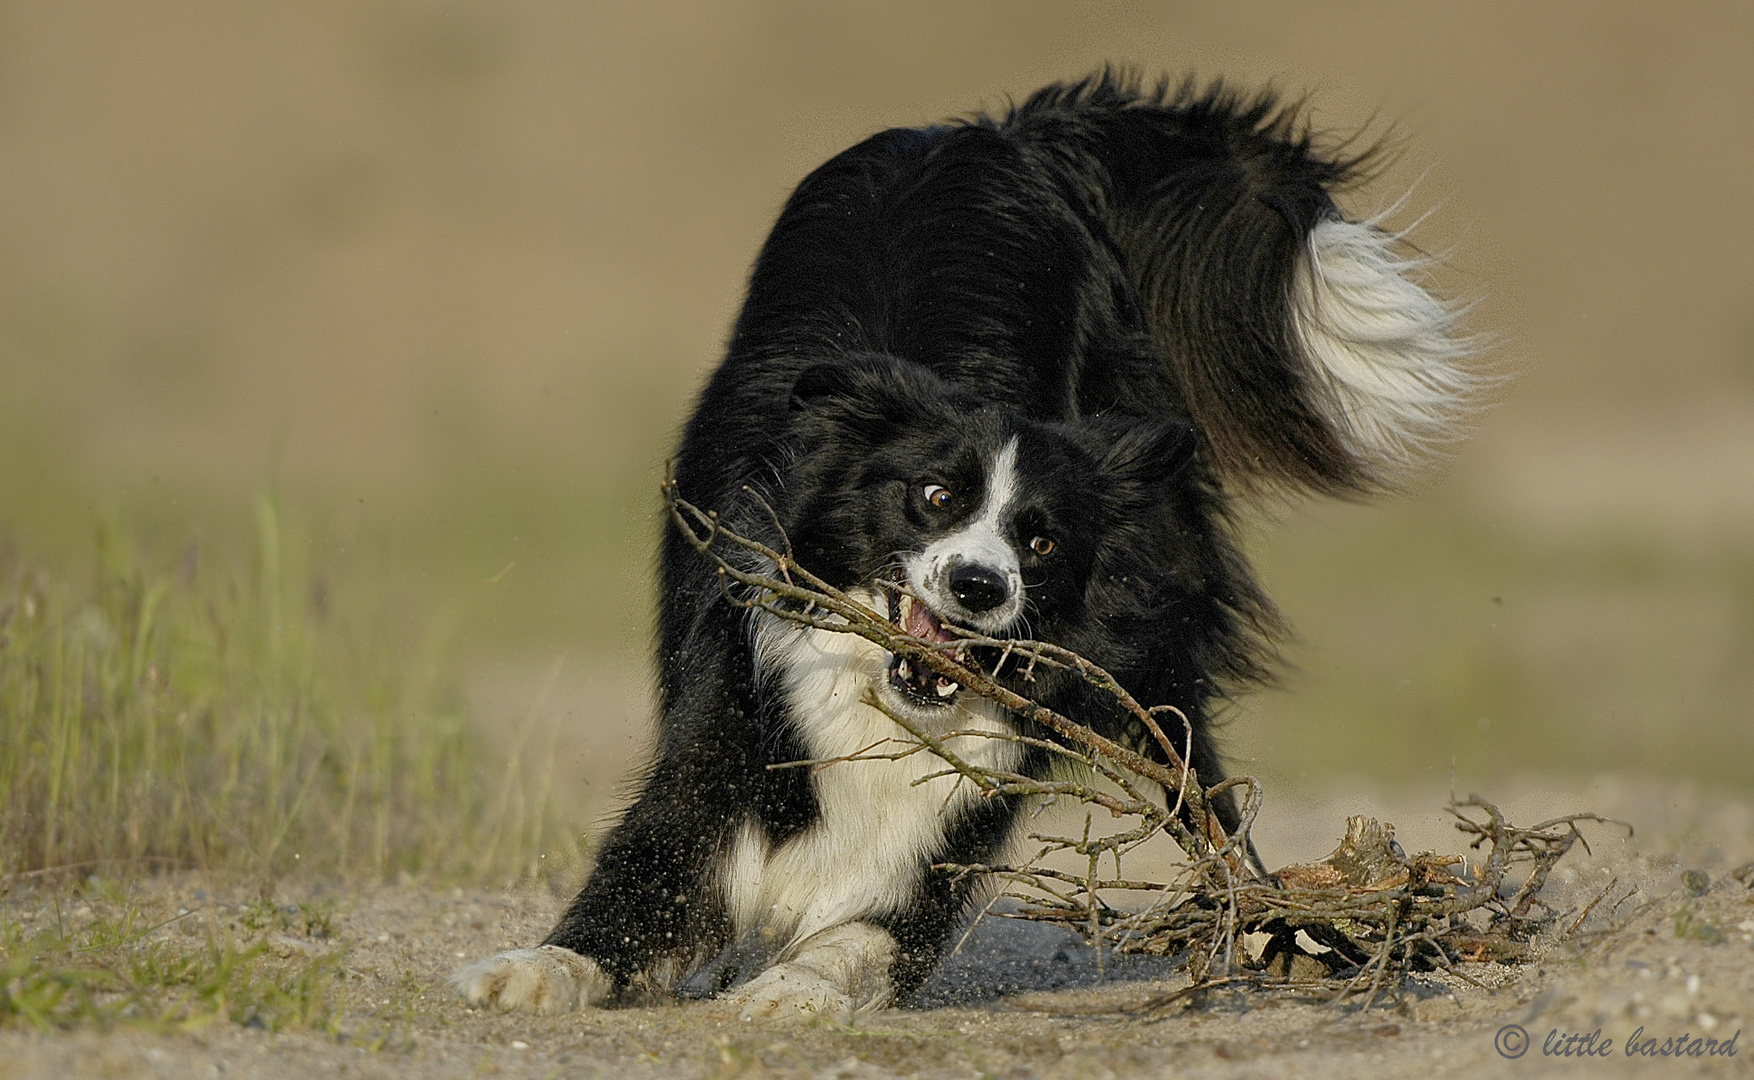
(937, 495)
(1041, 545)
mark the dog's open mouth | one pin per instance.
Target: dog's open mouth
(917, 682)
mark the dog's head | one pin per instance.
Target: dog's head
(960, 512)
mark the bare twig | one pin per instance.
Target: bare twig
(1373, 915)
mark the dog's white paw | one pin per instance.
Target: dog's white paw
(834, 973)
(544, 980)
(791, 990)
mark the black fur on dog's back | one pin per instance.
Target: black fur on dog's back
(1062, 257)
(1099, 262)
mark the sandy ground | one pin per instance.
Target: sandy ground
(1024, 1000)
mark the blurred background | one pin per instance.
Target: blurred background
(445, 275)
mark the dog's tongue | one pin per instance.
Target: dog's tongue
(921, 623)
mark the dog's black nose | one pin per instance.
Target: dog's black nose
(979, 588)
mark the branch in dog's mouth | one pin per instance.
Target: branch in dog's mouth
(1406, 921)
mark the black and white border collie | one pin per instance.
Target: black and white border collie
(1007, 374)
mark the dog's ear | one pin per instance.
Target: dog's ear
(868, 393)
(1155, 450)
(821, 383)
(1150, 453)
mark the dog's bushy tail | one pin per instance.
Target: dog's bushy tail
(1306, 351)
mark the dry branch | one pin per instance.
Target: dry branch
(1354, 923)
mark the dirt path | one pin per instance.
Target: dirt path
(1020, 1000)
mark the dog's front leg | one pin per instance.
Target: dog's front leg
(836, 973)
(648, 904)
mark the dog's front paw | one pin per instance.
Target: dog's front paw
(544, 980)
(833, 973)
(790, 990)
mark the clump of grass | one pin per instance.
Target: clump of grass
(237, 710)
(128, 966)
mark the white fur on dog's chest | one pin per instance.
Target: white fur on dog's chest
(864, 855)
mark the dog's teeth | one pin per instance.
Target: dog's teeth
(905, 608)
(904, 670)
(946, 687)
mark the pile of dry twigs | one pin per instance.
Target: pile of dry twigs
(1355, 923)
